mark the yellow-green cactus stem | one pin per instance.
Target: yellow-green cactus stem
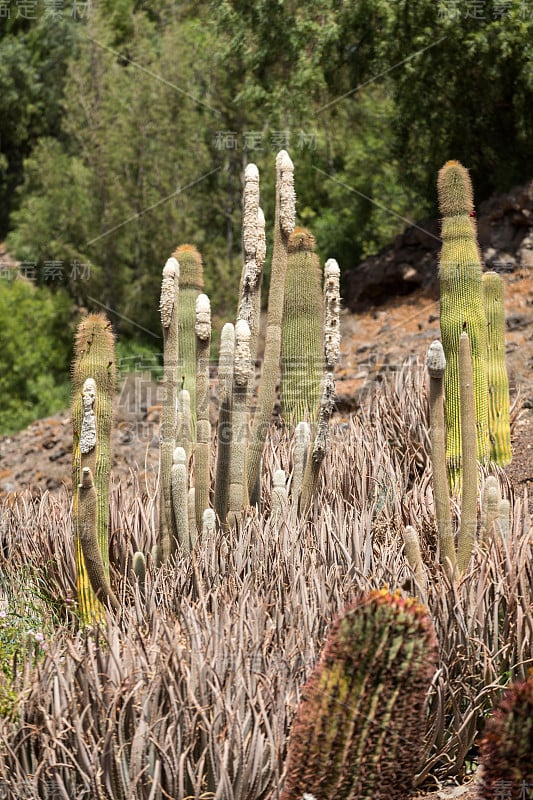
(498, 381)
(93, 387)
(191, 285)
(88, 538)
(283, 227)
(203, 427)
(302, 344)
(461, 308)
(362, 713)
(436, 366)
(168, 308)
(469, 477)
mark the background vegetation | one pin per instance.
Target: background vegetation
(125, 127)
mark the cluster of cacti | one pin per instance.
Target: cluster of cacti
(470, 303)
(361, 719)
(507, 746)
(295, 332)
(93, 386)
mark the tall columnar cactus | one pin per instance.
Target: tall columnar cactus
(436, 365)
(93, 386)
(461, 307)
(191, 285)
(327, 401)
(498, 382)
(359, 726)
(302, 331)
(468, 525)
(168, 308)
(203, 426)
(238, 493)
(254, 252)
(225, 396)
(283, 227)
(507, 747)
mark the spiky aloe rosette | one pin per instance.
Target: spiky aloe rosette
(507, 747)
(362, 717)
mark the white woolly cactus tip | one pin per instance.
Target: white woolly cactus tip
(88, 422)
(332, 269)
(179, 457)
(307, 796)
(287, 197)
(436, 360)
(203, 317)
(241, 369)
(171, 271)
(260, 253)
(251, 173)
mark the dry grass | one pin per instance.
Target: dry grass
(190, 694)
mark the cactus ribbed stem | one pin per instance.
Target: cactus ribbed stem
(203, 426)
(283, 226)
(225, 393)
(184, 423)
(467, 529)
(88, 537)
(461, 306)
(279, 493)
(498, 381)
(93, 387)
(238, 494)
(436, 365)
(168, 307)
(302, 440)
(179, 501)
(191, 285)
(411, 543)
(362, 711)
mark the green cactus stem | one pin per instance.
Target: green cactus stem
(436, 365)
(93, 386)
(203, 427)
(469, 483)
(225, 395)
(88, 537)
(327, 402)
(238, 494)
(168, 308)
(461, 306)
(191, 278)
(179, 501)
(302, 345)
(498, 381)
(507, 747)
(283, 227)
(362, 715)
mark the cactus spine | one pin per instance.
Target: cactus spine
(507, 747)
(498, 382)
(93, 385)
(168, 308)
(191, 285)
(361, 718)
(461, 305)
(283, 226)
(203, 427)
(436, 365)
(302, 331)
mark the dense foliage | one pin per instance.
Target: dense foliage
(125, 127)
